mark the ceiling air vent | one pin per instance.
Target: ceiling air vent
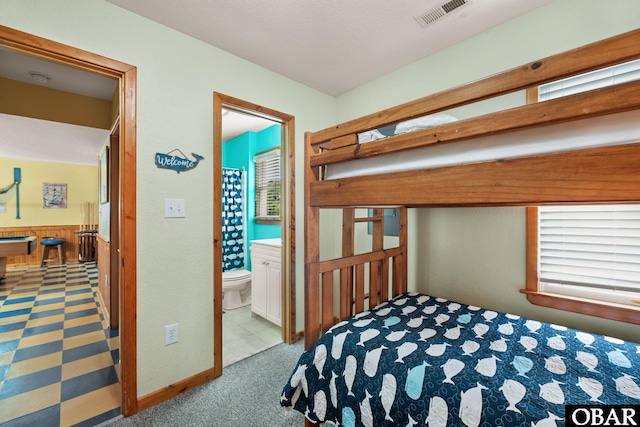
(435, 14)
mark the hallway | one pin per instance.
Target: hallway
(58, 362)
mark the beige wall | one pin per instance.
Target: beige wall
(82, 186)
(477, 256)
(177, 76)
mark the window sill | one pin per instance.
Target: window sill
(619, 312)
(267, 221)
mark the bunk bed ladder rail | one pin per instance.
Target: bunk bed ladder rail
(383, 270)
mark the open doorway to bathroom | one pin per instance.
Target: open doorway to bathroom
(254, 261)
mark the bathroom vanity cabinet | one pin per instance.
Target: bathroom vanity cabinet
(266, 282)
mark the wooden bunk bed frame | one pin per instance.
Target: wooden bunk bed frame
(598, 175)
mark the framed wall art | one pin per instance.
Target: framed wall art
(54, 196)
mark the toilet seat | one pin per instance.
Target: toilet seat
(235, 276)
(236, 289)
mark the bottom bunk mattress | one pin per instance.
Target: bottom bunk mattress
(419, 360)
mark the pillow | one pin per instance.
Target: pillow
(369, 136)
(424, 122)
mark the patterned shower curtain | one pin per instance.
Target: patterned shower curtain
(232, 220)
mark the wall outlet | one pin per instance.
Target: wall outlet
(171, 334)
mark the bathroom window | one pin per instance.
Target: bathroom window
(268, 189)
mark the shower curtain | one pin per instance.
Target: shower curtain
(232, 220)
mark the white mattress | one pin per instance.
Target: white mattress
(614, 129)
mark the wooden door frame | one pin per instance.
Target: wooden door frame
(287, 121)
(127, 76)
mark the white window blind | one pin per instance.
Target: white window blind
(590, 251)
(616, 74)
(268, 185)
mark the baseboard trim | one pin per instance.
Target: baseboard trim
(106, 323)
(174, 390)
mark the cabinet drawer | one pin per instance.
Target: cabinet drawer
(270, 253)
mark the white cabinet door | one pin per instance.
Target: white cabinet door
(266, 282)
(274, 294)
(259, 284)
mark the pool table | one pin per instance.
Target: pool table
(15, 245)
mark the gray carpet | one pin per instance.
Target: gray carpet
(247, 394)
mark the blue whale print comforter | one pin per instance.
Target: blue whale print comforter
(419, 360)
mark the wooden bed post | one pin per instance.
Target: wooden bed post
(346, 274)
(311, 250)
(400, 282)
(376, 280)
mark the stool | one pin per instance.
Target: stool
(48, 243)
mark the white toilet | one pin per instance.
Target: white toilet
(236, 289)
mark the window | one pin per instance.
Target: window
(268, 185)
(609, 76)
(586, 259)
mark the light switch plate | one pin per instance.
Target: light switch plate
(174, 208)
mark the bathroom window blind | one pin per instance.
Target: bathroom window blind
(590, 251)
(268, 189)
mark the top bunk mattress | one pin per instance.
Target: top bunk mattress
(615, 129)
(406, 126)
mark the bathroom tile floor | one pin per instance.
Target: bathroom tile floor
(58, 362)
(245, 334)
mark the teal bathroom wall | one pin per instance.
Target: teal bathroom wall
(238, 153)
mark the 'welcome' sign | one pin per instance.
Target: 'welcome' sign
(178, 164)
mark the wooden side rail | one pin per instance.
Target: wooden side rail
(385, 280)
(597, 175)
(614, 50)
(599, 102)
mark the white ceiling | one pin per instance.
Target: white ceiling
(43, 140)
(32, 139)
(331, 45)
(18, 66)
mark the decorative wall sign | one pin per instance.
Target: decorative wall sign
(178, 164)
(54, 196)
(6, 194)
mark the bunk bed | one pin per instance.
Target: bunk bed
(377, 354)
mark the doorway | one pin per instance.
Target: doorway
(126, 212)
(287, 190)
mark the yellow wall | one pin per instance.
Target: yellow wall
(82, 186)
(79, 110)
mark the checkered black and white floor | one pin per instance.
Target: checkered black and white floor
(58, 359)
